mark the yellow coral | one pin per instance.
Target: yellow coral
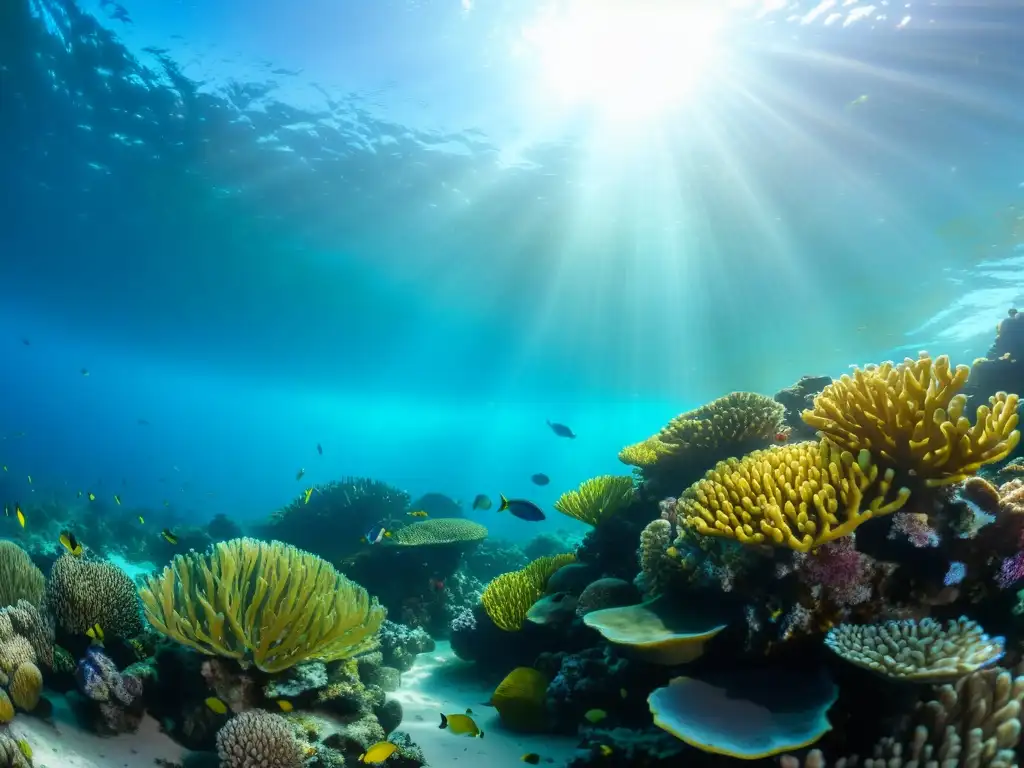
(26, 686)
(911, 417)
(268, 601)
(509, 596)
(596, 499)
(799, 496)
(735, 420)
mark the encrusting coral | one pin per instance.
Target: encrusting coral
(82, 592)
(19, 578)
(799, 496)
(268, 602)
(596, 499)
(922, 651)
(508, 597)
(911, 418)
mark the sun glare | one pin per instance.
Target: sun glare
(627, 59)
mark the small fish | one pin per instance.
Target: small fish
(531, 757)
(623, 693)
(25, 749)
(480, 502)
(117, 499)
(20, 515)
(540, 479)
(71, 544)
(461, 725)
(524, 510)
(417, 513)
(30, 479)
(284, 705)
(469, 711)
(320, 449)
(92, 496)
(595, 715)
(562, 431)
(378, 753)
(375, 534)
(85, 371)
(79, 494)
(216, 705)
(95, 633)
(309, 492)
(605, 750)
(141, 520)
(169, 536)
(300, 473)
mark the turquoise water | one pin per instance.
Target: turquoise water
(412, 232)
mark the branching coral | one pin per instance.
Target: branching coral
(19, 578)
(799, 496)
(508, 597)
(268, 601)
(597, 499)
(917, 650)
(911, 418)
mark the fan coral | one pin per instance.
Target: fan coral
(268, 601)
(597, 499)
(917, 650)
(81, 593)
(911, 417)
(440, 531)
(19, 578)
(258, 739)
(799, 496)
(508, 597)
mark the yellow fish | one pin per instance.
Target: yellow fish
(20, 514)
(216, 705)
(92, 496)
(117, 499)
(309, 492)
(26, 750)
(461, 725)
(67, 538)
(170, 537)
(30, 479)
(418, 513)
(595, 715)
(606, 750)
(300, 473)
(95, 633)
(378, 753)
(141, 520)
(284, 705)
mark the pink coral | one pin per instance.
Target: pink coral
(915, 527)
(843, 573)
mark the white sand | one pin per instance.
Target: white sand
(65, 744)
(440, 682)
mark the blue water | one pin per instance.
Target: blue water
(260, 227)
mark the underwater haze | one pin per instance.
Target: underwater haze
(415, 232)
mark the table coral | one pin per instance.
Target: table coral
(799, 496)
(911, 418)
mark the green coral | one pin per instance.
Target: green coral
(19, 578)
(441, 531)
(597, 499)
(507, 598)
(270, 602)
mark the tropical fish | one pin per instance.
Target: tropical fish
(417, 513)
(30, 479)
(461, 725)
(320, 449)
(71, 544)
(169, 536)
(85, 371)
(309, 492)
(284, 705)
(117, 499)
(20, 515)
(531, 757)
(481, 502)
(92, 496)
(141, 520)
(540, 479)
(378, 753)
(561, 430)
(300, 473)
(524, 510)
(375, 534)
(595, 715)
(216, 705)
(95, 633)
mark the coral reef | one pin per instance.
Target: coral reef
(81, 593)
(258, 739)
(19, 578)
(399, 645)
(797, 399)
(116, 697)
(509, 596)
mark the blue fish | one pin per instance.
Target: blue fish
(376, 534)
(523, 509)
(540, 479)
(561, 430)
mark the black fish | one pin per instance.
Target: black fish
(523, 509)
(320, 449)
(561, 430)
(481, 502)
(540, 479)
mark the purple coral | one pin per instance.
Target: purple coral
(843, 573)
(916, 528)
(1011, 571)
(118, 697)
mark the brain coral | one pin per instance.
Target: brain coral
(19, 578)
(439, 532)
(258, 739)
(82, 592)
